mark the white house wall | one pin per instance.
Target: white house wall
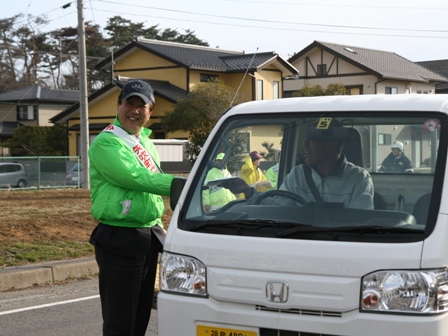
(46, 112)
(341, 71)
(307, 65)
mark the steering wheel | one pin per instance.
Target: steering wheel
(282, 193)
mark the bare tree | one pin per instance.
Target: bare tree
(29, 56)
(20, 54)
(7, 54)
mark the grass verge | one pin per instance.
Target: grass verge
(48, 225)
(15, 254)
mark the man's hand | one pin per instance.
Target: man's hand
(237, 186)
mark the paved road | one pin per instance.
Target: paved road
(71, 309)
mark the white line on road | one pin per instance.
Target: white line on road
(48, 305)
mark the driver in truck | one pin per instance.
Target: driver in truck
(326, 174)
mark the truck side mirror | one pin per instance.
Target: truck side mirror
(176, 189)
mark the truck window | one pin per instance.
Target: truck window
(383, 186)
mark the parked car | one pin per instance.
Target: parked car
(72, 178)
(12, 175)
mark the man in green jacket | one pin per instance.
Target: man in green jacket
(272, 173)
(126, 185)
(216, 196)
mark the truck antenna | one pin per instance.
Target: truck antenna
(242, 80)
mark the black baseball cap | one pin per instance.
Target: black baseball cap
(327, 130)
(138, 88)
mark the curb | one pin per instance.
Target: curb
(30, 275)
(21, 277)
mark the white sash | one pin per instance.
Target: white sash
(140, 152)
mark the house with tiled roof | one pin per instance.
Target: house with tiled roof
(173, 69)
(185, 65)
(31, 106)
(440, 67)
(361, 70)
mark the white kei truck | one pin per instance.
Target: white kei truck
(277, 264)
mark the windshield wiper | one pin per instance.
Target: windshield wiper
(252, 224)
(350, 229)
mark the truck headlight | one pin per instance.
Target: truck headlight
(400, 291)
(182, 274)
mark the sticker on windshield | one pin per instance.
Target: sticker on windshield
(323, 123)
(431, 125)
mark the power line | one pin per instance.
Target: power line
(334, 5)
(93, 14)
(268, 21)
(47, 12)
(264, 20)
(280, 28)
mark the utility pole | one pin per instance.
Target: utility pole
(83, 103)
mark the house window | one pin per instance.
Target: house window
(276, 88)
(159, 135)
(26, 112)
(384, 139)
(321, 69)
(259, 89)
(208, 77)
(391, 90)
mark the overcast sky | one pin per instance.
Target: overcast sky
(416, 30)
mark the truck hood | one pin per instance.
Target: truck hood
(318, 275)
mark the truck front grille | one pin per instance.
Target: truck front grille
(300, 312)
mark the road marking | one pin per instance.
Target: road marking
(48, 305)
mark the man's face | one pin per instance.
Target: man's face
(256, 162)
(316, 152)
(395, 151)
(134, 114)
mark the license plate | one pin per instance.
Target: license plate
(218, 331)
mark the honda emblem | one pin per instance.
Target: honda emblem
(277, 292)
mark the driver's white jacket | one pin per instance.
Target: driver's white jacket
(348, 184)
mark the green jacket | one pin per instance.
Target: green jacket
(123, 192)
(272, 175)
(216, 196)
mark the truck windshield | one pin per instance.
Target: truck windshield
(351, 176)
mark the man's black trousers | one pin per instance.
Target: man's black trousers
(127, 260)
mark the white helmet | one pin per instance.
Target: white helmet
(397, 144)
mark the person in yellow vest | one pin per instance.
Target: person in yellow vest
(272, 173)
(252, 174)
(216, 196)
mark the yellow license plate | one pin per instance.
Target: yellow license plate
(218, 331)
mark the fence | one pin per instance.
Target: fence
(42, 172)
(39, 172)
